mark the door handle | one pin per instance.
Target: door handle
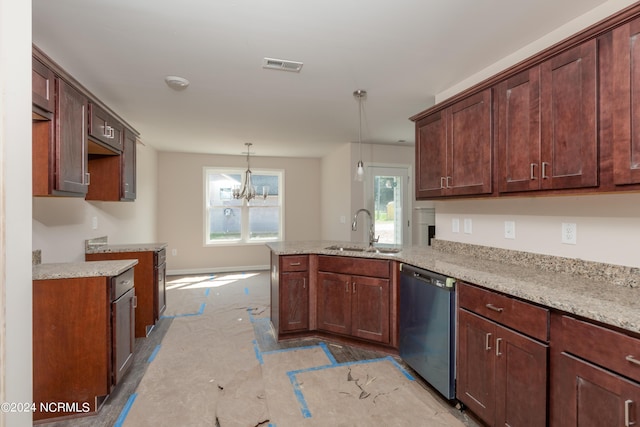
(494, 308)
(627, 413)
(632, 359)
(498, 353)
(487, 344)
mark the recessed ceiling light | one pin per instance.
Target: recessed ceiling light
(176, 83)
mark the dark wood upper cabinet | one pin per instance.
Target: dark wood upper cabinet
(128, 161)
(453, 149)
(42, 86)
(546, 124)
(71, 171)
(626, 104)
(568, 90)
(104, 128)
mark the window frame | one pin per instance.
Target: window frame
(244, 207)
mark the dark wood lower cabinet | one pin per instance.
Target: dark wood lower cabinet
(294, 288)
(83, 342)
(501, 374)
(354, 305)
(589, 395)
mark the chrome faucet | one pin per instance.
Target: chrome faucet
(354, 226)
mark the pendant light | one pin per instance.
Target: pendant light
(359, 95)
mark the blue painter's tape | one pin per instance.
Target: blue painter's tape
(258, 352)
(246, 291)
(328, 353)
(297, 391)
(187, 314)
(207, 291)
(154, 354)
(125, 410)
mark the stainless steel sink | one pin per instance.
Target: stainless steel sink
(361, 249)
(346, 248)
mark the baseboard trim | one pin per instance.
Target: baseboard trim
(209, 270)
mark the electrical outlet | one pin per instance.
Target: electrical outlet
(467, 226)
(509, 229)
(455, 225)
(94, 222)
(174, 252)
(569, 233)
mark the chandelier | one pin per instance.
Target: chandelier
(248, 190)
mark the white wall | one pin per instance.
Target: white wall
(608, 225)
(15, 209)
(62, 224)
(337, 181)
(181, 210)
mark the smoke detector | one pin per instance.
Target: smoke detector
(176, 83)
(281, 64)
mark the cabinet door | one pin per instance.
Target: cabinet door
(128, 159)
(476, 368)
(569, 129)
(123, 334)
(469, 146)
(431, 166)
(104, 128)
(334, 302)
(521, 380)
(294, 304)
(591, 396)
(370, 308)
(518, 132)
(626, 108)
(42, 86)
(161, 273)
(71, 140)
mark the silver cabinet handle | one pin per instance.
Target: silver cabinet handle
(353, 287)
(532, 168)
(627, 413)
(448, 178)
(112, 133)
(632, 359)
(498, 353)
(294, 264)
(442, 182)
(487, 344)
(304, 283)
(346, 287)
(105, 130)
(125, 282)
(494, 308)
(135, 301)
(544, 170)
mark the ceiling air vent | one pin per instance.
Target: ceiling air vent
(281, 64)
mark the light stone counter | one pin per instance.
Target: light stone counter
(134, 247)
(601, 292)
(69, 270)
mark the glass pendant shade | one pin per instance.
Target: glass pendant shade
(359, 94)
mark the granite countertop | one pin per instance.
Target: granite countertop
(586, 293)
(68, 270)
(132, 247)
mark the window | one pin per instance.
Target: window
(229, 220)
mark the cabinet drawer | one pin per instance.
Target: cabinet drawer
(519, 315)
(121, 284)
(605, 347)
(294, 263)
(104, 128)
(357, 266)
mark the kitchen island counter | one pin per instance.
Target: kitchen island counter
(69, 270)
(602, 292)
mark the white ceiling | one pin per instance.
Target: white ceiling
(402, 52)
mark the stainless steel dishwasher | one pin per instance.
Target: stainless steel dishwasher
(427, 326)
